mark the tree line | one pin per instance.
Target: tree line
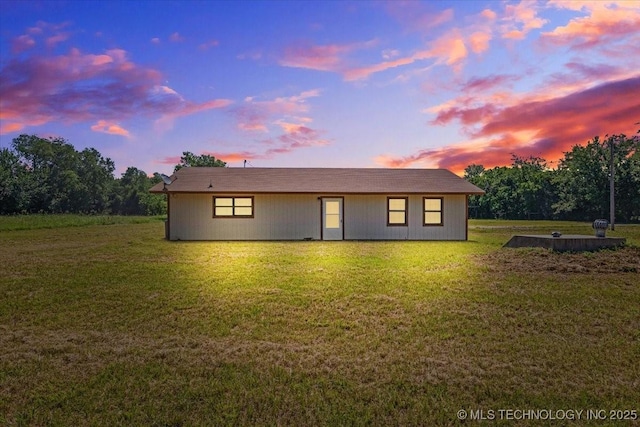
(577, 189)
(48, 175)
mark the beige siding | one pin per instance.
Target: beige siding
(365, 217)
(276, 217)
(295, 217)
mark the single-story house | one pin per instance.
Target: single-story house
(315, 204)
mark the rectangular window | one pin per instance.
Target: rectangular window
(433, 210)
(332, 214)
(233, 207)
(397, 210)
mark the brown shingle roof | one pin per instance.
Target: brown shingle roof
(317, 180)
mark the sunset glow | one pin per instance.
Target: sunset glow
(313, 84)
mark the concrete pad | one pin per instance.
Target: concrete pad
(565, 243)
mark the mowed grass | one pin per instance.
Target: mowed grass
(112, 325)
(36, 221)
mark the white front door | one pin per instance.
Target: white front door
(332, 218)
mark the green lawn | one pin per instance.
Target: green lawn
(106, 323)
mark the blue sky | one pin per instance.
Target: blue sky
(335, 84)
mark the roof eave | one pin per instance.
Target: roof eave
(372, 193)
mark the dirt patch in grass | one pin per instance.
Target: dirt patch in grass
(539, 260)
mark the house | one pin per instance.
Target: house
(316, 204)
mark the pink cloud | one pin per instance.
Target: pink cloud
(176, 37)
(487, 152)
(187, 108)
(455, 157)
(415, 16)
(483, 97)
(606, 22)
(38, 29)
(545, 128)
(10, 127)
(292, 127)
(614, 103)
(171, 160)
(448, 49)
(321, 57)
(295, 136)
(22, 43)
(57, 38)
(520, 19)
(483, 84)
(236, 156)
(228, 157)
(479, 41)
(591, 71)
(110, 128)
(155, 40)
(182, 108)
(259, 115)
(285, 122)
(579, 73)
(78, 87)
(488, 14)
(388, 54)
(50, 34)
(253, 124)
(364, 72)
(465, 115)
(209, 44)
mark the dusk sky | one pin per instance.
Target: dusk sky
(320, 84)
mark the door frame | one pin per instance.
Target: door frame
(322, 200)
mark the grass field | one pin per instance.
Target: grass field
(102, 322)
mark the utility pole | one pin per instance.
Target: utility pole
(612, 202)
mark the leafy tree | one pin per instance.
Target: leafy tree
(49, 175)
(54, 177)
(627, 177)
(535, 192)
(96, 174)
(154, 204)
(583, 180)
(473, 171)
(522, 191)
(132, 195)
(577, 190)
(12, 180)
(477, 204)
(189, 159)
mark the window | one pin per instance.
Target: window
(433, 210)
(397, 210)
(332, 214)
(233, 207)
